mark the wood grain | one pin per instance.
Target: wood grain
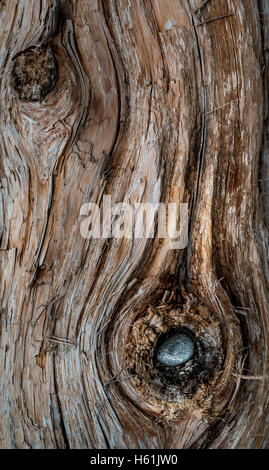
(155, 101)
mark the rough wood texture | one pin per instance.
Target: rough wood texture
(156, 100)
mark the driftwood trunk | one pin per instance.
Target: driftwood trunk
(145, 101)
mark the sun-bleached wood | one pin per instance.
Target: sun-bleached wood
(157, 100)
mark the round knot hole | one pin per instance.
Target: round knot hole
(34, 73)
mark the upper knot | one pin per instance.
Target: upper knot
(34, 73)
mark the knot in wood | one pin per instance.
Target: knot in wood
(34, 73)
(176, 349)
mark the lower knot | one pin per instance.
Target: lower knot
(176, 353)
(34, 73)
(175, 349)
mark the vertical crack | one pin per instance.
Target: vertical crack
(202, 146)
(62, 424)
(264, 155)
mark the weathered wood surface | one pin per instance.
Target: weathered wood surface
(154, 102)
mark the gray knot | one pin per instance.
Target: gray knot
(176, 350)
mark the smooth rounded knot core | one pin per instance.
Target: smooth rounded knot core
(176, 349)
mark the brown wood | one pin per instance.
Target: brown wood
(143, 100)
